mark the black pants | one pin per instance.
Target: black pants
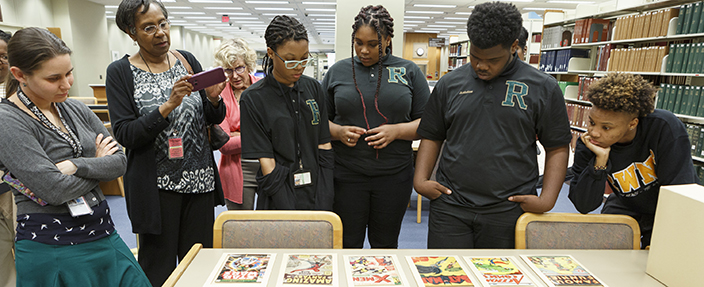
(377, 203)
(613, 205)
(186, 219)
(456, 227)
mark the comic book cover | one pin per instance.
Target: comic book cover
(499, 271)
(241, 270)
(373, 270)
(438, 271)
(561, 270)
(308, 270)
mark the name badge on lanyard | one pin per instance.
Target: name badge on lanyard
(175, 146)
(302, 176)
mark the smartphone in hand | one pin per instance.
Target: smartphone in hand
(207, 78)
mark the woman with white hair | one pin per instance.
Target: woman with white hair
(237, 175)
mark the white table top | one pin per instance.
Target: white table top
(615, 268)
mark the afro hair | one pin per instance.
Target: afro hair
(621, 92)
(494, 23)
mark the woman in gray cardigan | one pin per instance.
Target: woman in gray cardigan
(55, 152)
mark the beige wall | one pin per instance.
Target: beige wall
(432, 61)
(347, 10)
(27, 12)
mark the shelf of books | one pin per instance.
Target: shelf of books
(457, 55)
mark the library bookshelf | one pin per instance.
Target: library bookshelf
(662, 41)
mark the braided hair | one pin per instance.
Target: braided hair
(281, 29)
(378, 18)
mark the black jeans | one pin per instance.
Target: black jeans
(456, 227)
(375, 204)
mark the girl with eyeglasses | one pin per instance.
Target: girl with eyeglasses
(238, 175)
(172, 182)
(285, 127)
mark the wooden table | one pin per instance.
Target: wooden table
(616, 268)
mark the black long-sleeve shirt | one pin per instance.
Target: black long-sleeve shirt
(658, 155)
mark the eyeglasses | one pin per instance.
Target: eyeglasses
(151, 29)
(293, 64)
(239, 70)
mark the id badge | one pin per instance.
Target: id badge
(175, 148)
(302, 178)
(79, 207)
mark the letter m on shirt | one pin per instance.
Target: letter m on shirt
(515, 90)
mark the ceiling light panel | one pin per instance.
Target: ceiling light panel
(434, 6)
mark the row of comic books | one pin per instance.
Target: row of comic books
(385, 270)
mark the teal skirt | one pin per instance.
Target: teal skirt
(104, 262)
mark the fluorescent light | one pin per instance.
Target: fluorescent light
(535, 9)
(321, 15)
(416, 17)
(323, 23)
(223, 8)
(277, 14)
(210, 1)
(443, 26)
(177, 7)
(404, 22)
(110, 7)
(426, 12)
(463, 13)
(319, 3)
(425, 31)
(320, 10)
(234, 13)
(186, 24)
(178, 21)
(243, 18)
(570, 2)
(109, 12)
(433, 28)
(266, 2)
(187, 13)
(199, 17)
(218, 25)
(434, 6)
(249, 22)
(470, 7)
(273, 9)
(110, 16)
(456, 23)
(409, 25)
(333, 20)
(209, 21)
(456, 18)
(515, 0)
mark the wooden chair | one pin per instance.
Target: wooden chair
(577, 231)
(176, 274)
(277, 229)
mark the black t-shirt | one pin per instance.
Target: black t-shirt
(402, 97)
(658, 155)
(489, 129)
(267, 125)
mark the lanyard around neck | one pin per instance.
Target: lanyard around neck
(296, 115)
(71, 137)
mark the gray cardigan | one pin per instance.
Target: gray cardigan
(30, 151)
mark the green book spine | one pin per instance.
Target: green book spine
(700, 109)
(694, 58)
(680, 18)
(701, 21)
(694, 140)
(699, 58)
(671, 106)
(670, 90)
(694, 102)
(694, 24)
(682, 102)
(677, 66)
(671, 58)
(661, 95)
(700, 142)
(688, 18)
(685, 58)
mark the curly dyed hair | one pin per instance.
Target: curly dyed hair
(233, 49)
(494, 23)
(620, 92)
